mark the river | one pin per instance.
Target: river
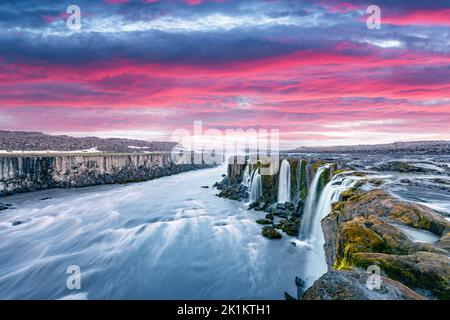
(167, 238)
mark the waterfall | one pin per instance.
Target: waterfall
(298, 174)
(284, 183)
(318, 207)
(309, 212)
(255, 186)
(246, 177)
(331, 193)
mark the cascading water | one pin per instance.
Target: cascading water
(298, 175)
(246, 179)
(318, 206)
(330, 194)
(284, 183)
(309, 211)
(255, 186)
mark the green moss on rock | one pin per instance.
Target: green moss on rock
(263, 221)
(270, 233)
(356, 237)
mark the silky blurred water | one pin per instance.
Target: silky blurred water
(162, 239)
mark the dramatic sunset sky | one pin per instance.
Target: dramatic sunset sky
(142, 68)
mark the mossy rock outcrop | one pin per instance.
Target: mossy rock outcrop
(362, 231)
(289, 227)
(444, 242)
(425, 270)
(303, 189)
(379, 203)
(316, 165)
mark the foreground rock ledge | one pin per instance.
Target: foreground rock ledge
(361, 231)
(351, 285)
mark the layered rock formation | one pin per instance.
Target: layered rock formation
(31, 173)
(363, 230)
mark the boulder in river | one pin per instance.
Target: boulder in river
(270, 233)
(263, 221)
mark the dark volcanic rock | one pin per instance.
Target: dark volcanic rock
(270, 233)
(263, 221)
(290, 228)
(232, 192)
(280, 206)
(351, 285)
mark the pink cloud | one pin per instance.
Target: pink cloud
(419, 17)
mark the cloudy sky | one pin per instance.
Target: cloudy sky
(312, 69)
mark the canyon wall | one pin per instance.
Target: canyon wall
(23, 173)
(302, 172)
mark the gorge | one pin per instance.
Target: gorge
(310, 231)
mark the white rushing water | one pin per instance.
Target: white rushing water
(284, 182)
(255, 186)
(318, 206)
(309, 211)
(417, 235)
(163, 239)
(246, 178)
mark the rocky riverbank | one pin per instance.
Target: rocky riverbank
(281, 217)
(31, 173)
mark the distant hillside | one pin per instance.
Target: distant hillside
(415, 147)
(37, 141)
